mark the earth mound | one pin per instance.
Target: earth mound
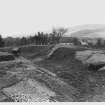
(70, 68)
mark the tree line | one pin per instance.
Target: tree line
(39, 38)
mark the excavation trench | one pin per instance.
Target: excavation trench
(27, 82)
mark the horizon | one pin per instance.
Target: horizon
(98, 29)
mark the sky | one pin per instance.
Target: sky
(25, 17)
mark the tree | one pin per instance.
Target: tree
(23, 41)
(58, 34)
(1, 41)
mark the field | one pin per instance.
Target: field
(61, 72)
(87, 82)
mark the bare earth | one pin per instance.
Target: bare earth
(61, 75)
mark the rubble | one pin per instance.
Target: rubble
(29, 90)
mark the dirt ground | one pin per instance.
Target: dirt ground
(89, 84)
(22, 81)
(60, 77)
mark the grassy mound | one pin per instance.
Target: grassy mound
(31, 52)
(66, 58)
(64, 63)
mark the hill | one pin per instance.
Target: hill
(91, 31)
(65, 65)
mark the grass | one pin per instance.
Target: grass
(35, 51)
(63, 63)
(30, 51)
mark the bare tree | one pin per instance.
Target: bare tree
(58, 33)
(61, 30)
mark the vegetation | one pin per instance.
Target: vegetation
(55, 37)
(1, 41)
(39, 38)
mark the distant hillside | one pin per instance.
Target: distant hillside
(90, 31)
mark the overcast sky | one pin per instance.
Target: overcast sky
(22, 17)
